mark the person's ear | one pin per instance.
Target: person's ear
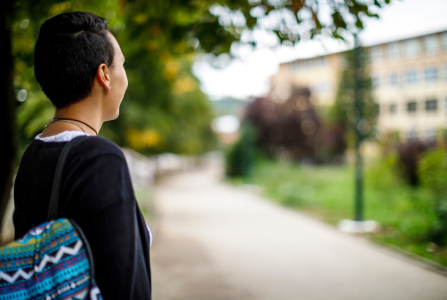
(102, 75)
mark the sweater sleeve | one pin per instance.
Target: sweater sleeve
(107, 213)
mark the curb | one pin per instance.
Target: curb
(410, 257)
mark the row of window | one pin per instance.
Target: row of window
(308, 63)
(409, 49)
(411, 76)
(321, 87)
(430, 105)
(429, 133)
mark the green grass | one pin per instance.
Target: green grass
(145, 197)
(405, 213)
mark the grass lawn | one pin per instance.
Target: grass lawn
(145, 200)
(405, 213)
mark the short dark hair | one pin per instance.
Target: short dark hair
(68, 52)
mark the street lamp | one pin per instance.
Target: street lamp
(358, 224)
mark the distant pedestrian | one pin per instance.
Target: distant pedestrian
(80, 67)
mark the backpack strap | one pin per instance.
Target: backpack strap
(55, 191)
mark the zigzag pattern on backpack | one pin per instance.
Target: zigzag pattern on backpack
(47, 259)
(49, 262)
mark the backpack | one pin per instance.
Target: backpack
(53, 260)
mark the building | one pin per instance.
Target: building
(409, 78)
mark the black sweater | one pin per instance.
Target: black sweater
(96, 192)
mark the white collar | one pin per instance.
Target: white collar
(65, 136)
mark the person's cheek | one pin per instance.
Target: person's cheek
(126, 82)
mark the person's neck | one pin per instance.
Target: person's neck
(84, 111)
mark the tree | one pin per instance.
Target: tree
(356, 111)
(293, 20)
(291, 129)
(342, 112)
(7, 119)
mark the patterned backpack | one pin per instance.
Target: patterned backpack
(53, 260)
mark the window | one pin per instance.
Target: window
(393, 108)
(411, 49)
(375, 80)
(385, 79)
(293, 66)
(411, 106)
(320, 61)
(394, 79)
(431, 74)
(376, 54)
(431, 105)
(322, 87)
(393, 52)
(412, 134)
(430, 134)
(444, 41)
(411, 76)
(430, 45)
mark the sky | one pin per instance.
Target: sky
(248, 73)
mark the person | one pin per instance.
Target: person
(80, 68)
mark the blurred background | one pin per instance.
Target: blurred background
(252, 128)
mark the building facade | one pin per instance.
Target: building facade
(409, 78)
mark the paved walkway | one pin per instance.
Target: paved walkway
(214, 241)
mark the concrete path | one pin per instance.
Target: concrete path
(215, 241)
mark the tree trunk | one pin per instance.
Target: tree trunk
(7, 109)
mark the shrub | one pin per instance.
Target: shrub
(409, 155)
(241, 156)
(433, 175)
(383, 173)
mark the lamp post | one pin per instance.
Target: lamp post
(359, 133)
(358, 224)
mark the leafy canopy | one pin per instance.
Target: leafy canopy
(164, 109)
